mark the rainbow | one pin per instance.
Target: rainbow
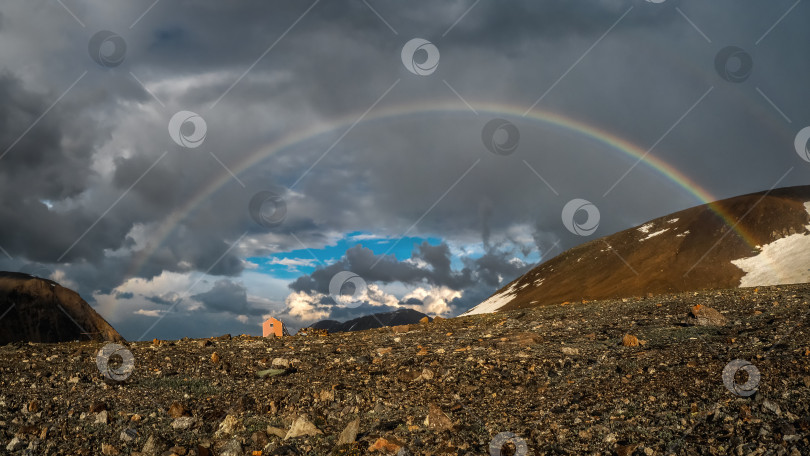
(485, 111)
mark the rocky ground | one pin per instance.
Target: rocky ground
(558, 378)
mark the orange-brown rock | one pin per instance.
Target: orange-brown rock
(630, 340)
(401, 329)
(385, 445)
(176, 410)
(437, 419)
(706, 316)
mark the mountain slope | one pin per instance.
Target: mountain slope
(398, 317)
(693, 249)
(40, 310)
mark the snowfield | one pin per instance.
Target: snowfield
(783, 261)
(494, 302)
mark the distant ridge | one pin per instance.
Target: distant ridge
(40, 310)
(398, 317)
(690, 250)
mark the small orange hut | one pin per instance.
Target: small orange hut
(273, 327)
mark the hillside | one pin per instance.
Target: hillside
(556, 377)
(41, 310)
(693, 249)
(398, 317)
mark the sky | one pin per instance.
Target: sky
(191, 168)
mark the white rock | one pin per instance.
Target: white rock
(101, 417)
(14, 444)
(349, 434)
(427, 374)
(772, 407)
(232, 448)
(302, 427)
(183, 422)
(229, 426)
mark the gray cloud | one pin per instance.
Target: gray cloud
(484, 273)
(157, 300)
(227, 296)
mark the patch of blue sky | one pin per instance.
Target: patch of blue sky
(294, 263)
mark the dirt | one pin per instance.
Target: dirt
(549, 380)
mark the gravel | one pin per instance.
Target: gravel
(552, 380)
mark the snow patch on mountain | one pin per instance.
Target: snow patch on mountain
(783, 261)
(494, 302)
(652, 235)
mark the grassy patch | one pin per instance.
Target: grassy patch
(667, 336)
(255, 424)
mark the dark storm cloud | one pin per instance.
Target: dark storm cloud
(227, 296)
(507, 23)
(159, 300)
(382, 176)
(46, 161)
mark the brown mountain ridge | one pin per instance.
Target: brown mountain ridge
(40, 310)
(693, 249)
